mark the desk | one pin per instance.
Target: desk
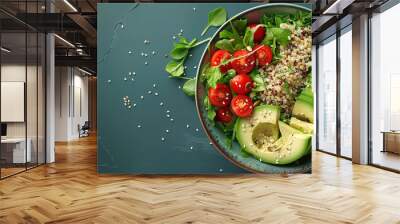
(391, 141)
(16, 147)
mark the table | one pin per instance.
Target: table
(16, 147)
(391, 141)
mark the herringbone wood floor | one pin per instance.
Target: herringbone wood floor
(70, 191)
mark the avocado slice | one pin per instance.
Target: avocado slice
(307, 92)
(303, 110)
(303, 126)
(258, 135)
(260, 128)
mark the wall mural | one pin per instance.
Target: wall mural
(204, 88)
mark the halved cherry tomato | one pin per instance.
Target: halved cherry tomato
(219, 57)
(220, 96)
(241, 84)
(242, 63)
(242, 105)
(263, 55)
(224, 115)
(259, 32)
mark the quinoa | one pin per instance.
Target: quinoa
(285, 79)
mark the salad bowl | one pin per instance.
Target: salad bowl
(232, 150)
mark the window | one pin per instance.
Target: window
(327, 95)
(346, 92)
(385, 89)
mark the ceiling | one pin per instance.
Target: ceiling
(75, 22)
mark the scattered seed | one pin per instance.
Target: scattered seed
(139, 126)
(187, 126)
(146, 63)
(109, 81)
(197, 129)
(161, 103)
(129, 52)
(154, 85)
(149, 92)
(156, 94)
(167, 131)
(142, 97)
(162, 139)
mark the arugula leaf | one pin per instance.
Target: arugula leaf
(227, 77)
(210, 109)
(189, 88)
(282, 35)
(248, 39)
(213, 75)
(216, 17)
(225, 44)
(258, 81)
(175, 68)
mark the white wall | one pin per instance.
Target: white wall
(70, 83)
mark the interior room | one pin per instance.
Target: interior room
(52, 90)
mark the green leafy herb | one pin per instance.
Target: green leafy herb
(258, 81)
(179, 54)
(175, 68)
(212, 76)
(180, 51)
(225, 44)
(282, 35)
(248, 39)
(229, 75)
(240, 25)
(189, 87)
(210, 109)
(216, 17)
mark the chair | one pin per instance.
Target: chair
(84, 130)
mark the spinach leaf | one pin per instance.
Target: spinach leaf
(189, 87)
(226, 34)
(180, 51)
(216, 17)
(225, 44)
(175, 68)
(240, 25)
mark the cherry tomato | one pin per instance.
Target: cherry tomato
(241, 84)
(259, 33)
(242, 63)
(242, 105)
(224, 115)
(220, 56)
(263, 55)
(220, 96)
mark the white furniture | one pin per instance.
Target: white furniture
(12, 101)
(19, 153)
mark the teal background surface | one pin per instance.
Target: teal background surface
(161, 133)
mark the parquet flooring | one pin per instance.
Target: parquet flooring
(70, 191)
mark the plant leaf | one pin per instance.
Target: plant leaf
(213, 76)
(216, 17)
(179, 52)
(248, 39)
(189, 88)
(225, 44)
(175, 68)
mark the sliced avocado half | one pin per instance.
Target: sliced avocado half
(303, 110)
(303, 126)
(259, 136)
